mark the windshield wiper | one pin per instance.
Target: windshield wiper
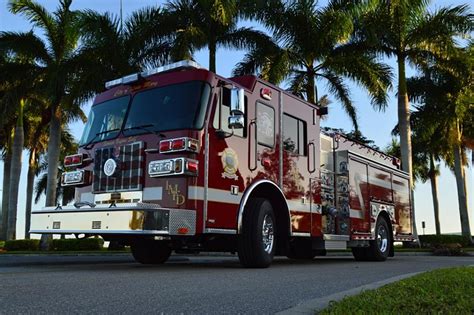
(95, 137)
(145, 128)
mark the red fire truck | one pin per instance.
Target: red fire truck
(179, 158)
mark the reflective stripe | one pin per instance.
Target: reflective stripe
(215, 195)
(303, 207)
(358, 214)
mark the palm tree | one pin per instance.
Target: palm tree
(195, 24)
(110, 51)
(64, 195)
(19, 77)
(54, 55)
(404, 29)
(446, 116)
(314, 44)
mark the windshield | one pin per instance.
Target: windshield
(105, 120)
(178, 106)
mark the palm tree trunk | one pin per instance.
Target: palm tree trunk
(310, 88)
(405, 130)
(29, 190)
(15, 172)
(5, 190)
(460, 183)
(434, 192)
(53, 161)
(212, 54)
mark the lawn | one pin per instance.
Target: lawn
(443, 291)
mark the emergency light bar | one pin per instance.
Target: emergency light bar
(184, 64)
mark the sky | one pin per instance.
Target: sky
(375, 125)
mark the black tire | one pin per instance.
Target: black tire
(380, 248)
(253, 253)
(150, 252)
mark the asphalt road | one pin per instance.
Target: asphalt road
(186, 285)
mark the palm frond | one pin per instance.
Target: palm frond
(339, 89)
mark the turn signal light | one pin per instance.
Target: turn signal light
(73, 160)
(192, 166)
(179, 144)
(165, 146)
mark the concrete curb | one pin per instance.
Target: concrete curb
(318, 304)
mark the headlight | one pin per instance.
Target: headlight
(73, 178)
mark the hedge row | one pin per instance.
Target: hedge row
(77, 244)
(22, 245)
(431, 241)
(70, 244)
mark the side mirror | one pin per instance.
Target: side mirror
(237, 102)
(236, 122)
(237, 109)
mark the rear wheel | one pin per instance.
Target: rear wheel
(256, 244)
(150, 252)
(379, 249)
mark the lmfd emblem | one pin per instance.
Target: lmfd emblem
(109, 167)
(230, 163)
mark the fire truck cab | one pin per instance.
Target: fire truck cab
(179, 158)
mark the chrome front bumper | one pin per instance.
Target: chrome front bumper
(129, 218)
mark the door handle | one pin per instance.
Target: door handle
(312, 168)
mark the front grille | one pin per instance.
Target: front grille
(129, 170)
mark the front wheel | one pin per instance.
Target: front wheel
(256, 244)
(150, 252)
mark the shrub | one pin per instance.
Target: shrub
(18, 245)
(75, 244)
(432, 241)
(454, 249)
(2, 244)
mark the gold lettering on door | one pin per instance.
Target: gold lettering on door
(174, 191)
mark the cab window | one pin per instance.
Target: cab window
(294, 135)
(265, 125)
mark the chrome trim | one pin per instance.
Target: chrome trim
(246, 196)
(187, 146)
(172, 172)
(375, 210)
(334, 237)
(280, 112)
(73, 183)
(220, 231)
(331, 245)
(206, 158)
(305, 234)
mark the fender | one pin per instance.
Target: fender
(248, 193)
(377, 209)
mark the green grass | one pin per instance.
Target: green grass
(444, 291)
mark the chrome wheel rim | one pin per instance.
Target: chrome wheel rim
(267, 234)
(382, 238)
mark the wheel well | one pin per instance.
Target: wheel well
(385, 215)
(272, 193)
